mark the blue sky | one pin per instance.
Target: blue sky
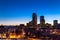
(20, 11)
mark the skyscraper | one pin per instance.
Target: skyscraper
(55, 22)
(42, 21)
(34, 19)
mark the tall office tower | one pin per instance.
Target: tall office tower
(42, 21)
(55, 22)
(34, 19)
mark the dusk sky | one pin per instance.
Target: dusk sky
(20, 11)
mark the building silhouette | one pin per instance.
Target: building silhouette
(55, 22)
(42, 21)
(34, 19)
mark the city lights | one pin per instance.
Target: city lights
(32, 30)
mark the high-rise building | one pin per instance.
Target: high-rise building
(22, 25)
(42, 21)
(55, 22)
(34, 19)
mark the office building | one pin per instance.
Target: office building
(42, 21)
(34, 19)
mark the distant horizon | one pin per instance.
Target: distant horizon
(38, 22)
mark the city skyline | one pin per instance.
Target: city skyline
(20, 11)
(34, 20)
